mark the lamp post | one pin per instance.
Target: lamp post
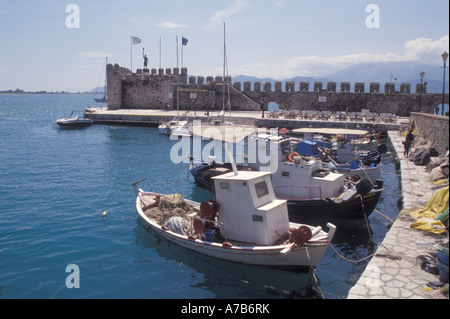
(444, 58)
(262, 102)
(422, 74)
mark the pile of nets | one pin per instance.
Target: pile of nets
(433, 217)
(172, 205)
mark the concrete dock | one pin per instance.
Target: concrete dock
(395, 270)
(152, 117)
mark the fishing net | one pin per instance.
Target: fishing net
(172, 205)
(433, 216)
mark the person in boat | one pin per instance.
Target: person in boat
(407, 143)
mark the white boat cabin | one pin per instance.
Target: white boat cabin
(300, 178)
(249, 210)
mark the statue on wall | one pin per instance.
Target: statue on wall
(145, 59)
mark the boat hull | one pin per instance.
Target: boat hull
(74, 123)
(372, 173)
(280, 256)
(357, 207)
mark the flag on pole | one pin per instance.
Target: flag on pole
(184, 41)
(135, 40)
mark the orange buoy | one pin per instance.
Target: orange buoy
(283, 131)
(292, 156)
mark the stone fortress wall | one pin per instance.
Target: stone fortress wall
(164, 88)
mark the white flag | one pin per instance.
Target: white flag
(136, 40)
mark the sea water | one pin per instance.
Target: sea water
(56, 183)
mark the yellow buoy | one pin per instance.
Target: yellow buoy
(104, 213)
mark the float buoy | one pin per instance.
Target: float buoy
(364, 187)
(382, 149)
(209, 208)
(283, 131)
(301, 235)
(199, 227)
(292, 156)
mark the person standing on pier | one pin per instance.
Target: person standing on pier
(407, 143)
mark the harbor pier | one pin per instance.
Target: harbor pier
(394, 272)
(152, 118)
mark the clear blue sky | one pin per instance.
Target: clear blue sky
(265, 38)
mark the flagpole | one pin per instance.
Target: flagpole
(224, 58)
(131, 53)
(176, 45)
(178, 76)
(182, 51)
(160, 52)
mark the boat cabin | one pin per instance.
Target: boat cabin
(295, 177)
(265, 151)
(249, 210)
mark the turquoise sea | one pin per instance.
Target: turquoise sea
(55, 183)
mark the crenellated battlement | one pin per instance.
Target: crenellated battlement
(172, 88)
(289, 86)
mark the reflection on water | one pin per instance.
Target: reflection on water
(227, 279)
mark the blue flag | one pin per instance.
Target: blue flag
(184, 41)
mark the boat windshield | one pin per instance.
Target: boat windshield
(285, 147)
(261, 189)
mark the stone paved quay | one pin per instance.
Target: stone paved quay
(395, 272)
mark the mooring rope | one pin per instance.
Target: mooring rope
(313, 271)
(389, 255)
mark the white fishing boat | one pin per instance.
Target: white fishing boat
(175, 125)
(357, 170)
(246, 224)
(311, 190)
(345, 153)
(74, 121)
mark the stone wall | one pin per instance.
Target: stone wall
(434, 129)
(159, 89)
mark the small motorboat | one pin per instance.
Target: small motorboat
(74, 122)
(174, 125)
(245, 224)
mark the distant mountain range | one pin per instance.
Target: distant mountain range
(381, 72)
(99, 90)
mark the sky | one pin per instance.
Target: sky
(58, 45)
